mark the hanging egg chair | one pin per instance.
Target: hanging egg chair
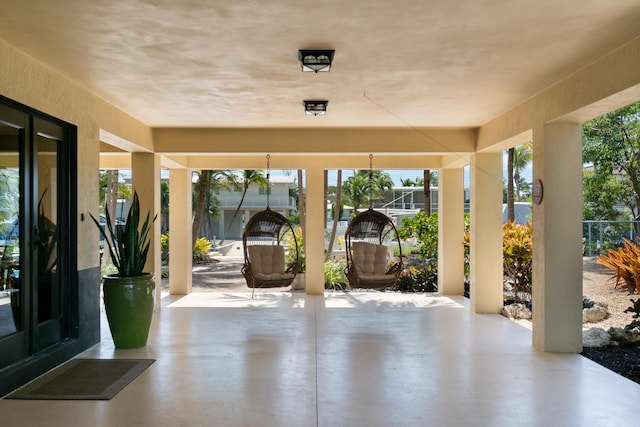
(264, 240)
(370, 240)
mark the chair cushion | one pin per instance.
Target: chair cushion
(369, 259)
(266, 259)
(274, 276)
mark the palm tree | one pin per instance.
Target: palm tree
(207, 180)
(356, 190)
(249, 176)
(522, 156)
(407, 182)
(336, 215)
(111, 197)
(381, 182)
(511, 212)
(365, 186)
(518, 159)
(203, 188)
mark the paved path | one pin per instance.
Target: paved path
(221, 274)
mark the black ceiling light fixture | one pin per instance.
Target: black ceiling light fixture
(316, 60)
(315, 108)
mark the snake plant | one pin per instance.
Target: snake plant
(129, 243)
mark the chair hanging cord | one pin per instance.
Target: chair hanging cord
(370, 181)
(268, 177)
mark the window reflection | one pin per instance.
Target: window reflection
(10, 296)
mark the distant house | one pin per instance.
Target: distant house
(255, 200)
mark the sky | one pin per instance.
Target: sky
(398, 175)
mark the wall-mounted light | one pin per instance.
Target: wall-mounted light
(316, 60)
(315, 108)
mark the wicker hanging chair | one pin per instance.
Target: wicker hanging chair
(264, 251)
(263, 241)
(369, 264)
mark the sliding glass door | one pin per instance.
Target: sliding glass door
(34, 224)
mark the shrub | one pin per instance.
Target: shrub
(201, 248)
(625, 261)
(164, 242)
(291, 249)
(407, 249)
(517, 255)
(517, 261)
(413, 279)
(635, 309)
(334, 275)
(424, 229)
(164, 249)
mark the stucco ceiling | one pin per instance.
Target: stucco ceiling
(233, 63)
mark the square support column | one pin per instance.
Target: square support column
(557, 239)
(180, 244)
(314, 243)
(145, 176)
(451, 232)
(486, 233)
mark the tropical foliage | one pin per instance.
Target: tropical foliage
(625, 262)
(334, 275)
(517, 252)
(517, 244)
(364, 187)
(129, 244)
(413, 279)
(9, 193)
(201, 248)
(290, 257)
(611, 147)
(423, 230)
(635, 310)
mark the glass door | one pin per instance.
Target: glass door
(34, 300)
(14, 342)
(50, 295)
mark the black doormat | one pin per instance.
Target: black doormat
(83, 379)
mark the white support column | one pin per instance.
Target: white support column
(145, 175)
(557, 239)
(451, 232)
(314, 243)
(486, 233)
(180, 244)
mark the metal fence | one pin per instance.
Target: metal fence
(600, 236)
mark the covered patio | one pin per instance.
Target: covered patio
(439, 85)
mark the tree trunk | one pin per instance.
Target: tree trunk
(427, 192)
(207, 210)
(336, 215)
(235, 214)
(326, 188)
(511, 216)
(111, 203)
(203, 187)
(301, 205)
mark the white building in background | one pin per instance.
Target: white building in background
(254, 201)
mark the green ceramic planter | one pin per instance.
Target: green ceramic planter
(129, 303)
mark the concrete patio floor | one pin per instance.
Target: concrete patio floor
(343, 359)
